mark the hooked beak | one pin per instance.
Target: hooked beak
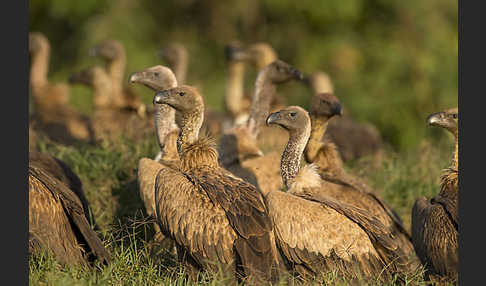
(298, 75)
(234, 53)
(435, 118)
(273, 118)
(135, 77)
(337, 110)
(160, 97)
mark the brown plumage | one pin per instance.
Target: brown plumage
(57, 218)
(316, 233)
(213, 216)
(158, 78)
(435, 222)
(341, 185)
(354, 139)
(123, 97)
(52, 114)
(109, 120)
(238, 146)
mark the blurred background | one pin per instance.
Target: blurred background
(392, 62)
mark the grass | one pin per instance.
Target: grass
(108, 173)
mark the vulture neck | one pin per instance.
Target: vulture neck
(449, 178)
(189, 124)
(102, 89)
(116, 69)
(39, 68)
(455, 156)
(292, 154)
(164, 123)
(234, 87)
(180, 69)
(318, 129)
(265, 90)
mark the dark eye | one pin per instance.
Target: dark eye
(454, 115)
(182, 93)
(156, 74)
(292, 114)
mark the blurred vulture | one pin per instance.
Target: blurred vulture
(341, 185)
(317, 234)
(109, 120)
(435, 222)
(238, 146)
(58, 214)
(121, 96)
(215, 218)
(353, 139)
(52, 114)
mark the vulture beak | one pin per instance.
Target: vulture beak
(135, 77)
(435, 118)
(273, 118)
(337, 110)
(233, 53)
(160, 97)
(298, 75)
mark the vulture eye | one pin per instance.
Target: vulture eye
(292, 114)
(182, 93)
(454, 115)
(156, 74)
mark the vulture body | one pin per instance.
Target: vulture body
(435, 222)
(353, 139)
(341, 185)
(317, 234)
(215, 218)
(109, 120)
(238, 146)
(52, 115)
(57, 218)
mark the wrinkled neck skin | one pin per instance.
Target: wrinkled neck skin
(260, 105)
(189, 124)
(292, 154)
(164, 123)
(234, 87)
(319, 127)
(38, 69)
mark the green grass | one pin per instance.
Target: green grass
(108, 173)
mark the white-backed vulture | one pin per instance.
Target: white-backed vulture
(316, 233)
(341, 185)
(158, 78)
(52, 114)
(215, 218)
(435, 222)
(354, 139)
(110, 121)
(58, 221)
(238, 146)
(113, 53)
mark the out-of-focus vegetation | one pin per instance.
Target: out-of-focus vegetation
(392, 62)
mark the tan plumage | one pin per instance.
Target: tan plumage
(57, 221)
(109, 120)
(316, 233)
(238, 146)
(341, 185)
(52, 114)
(354, 139)
(435, 222)
(122, 96)
(212, 215)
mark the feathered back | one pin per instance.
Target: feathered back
(201, 153)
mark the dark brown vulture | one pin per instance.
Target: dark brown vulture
(435, 222)
(215, 218)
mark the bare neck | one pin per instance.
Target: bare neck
(116, 69)
(39, 68)
(260, 105)
(180, 70)
(318, 129)
(455, 156)
(164, 123)
(189, 123)
(234, 87)
(292, 154)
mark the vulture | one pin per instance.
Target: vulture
(109, 120)
(238, 146)
(158, 78)
(215, 218)
(315, 233)
(435, 222)
(354, 139)
(52, 114)
(113, 53)
(58, 215)
(341, 185)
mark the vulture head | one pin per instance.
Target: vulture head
(173, 53)
(261, 54)
(447, 119)
(157, 78)
(108, 50)
(319, 82)
(184, 98)
(235, 52)
(280, 72)
(292, 118)
(325, 105)
(93, 77)
(37, 42)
